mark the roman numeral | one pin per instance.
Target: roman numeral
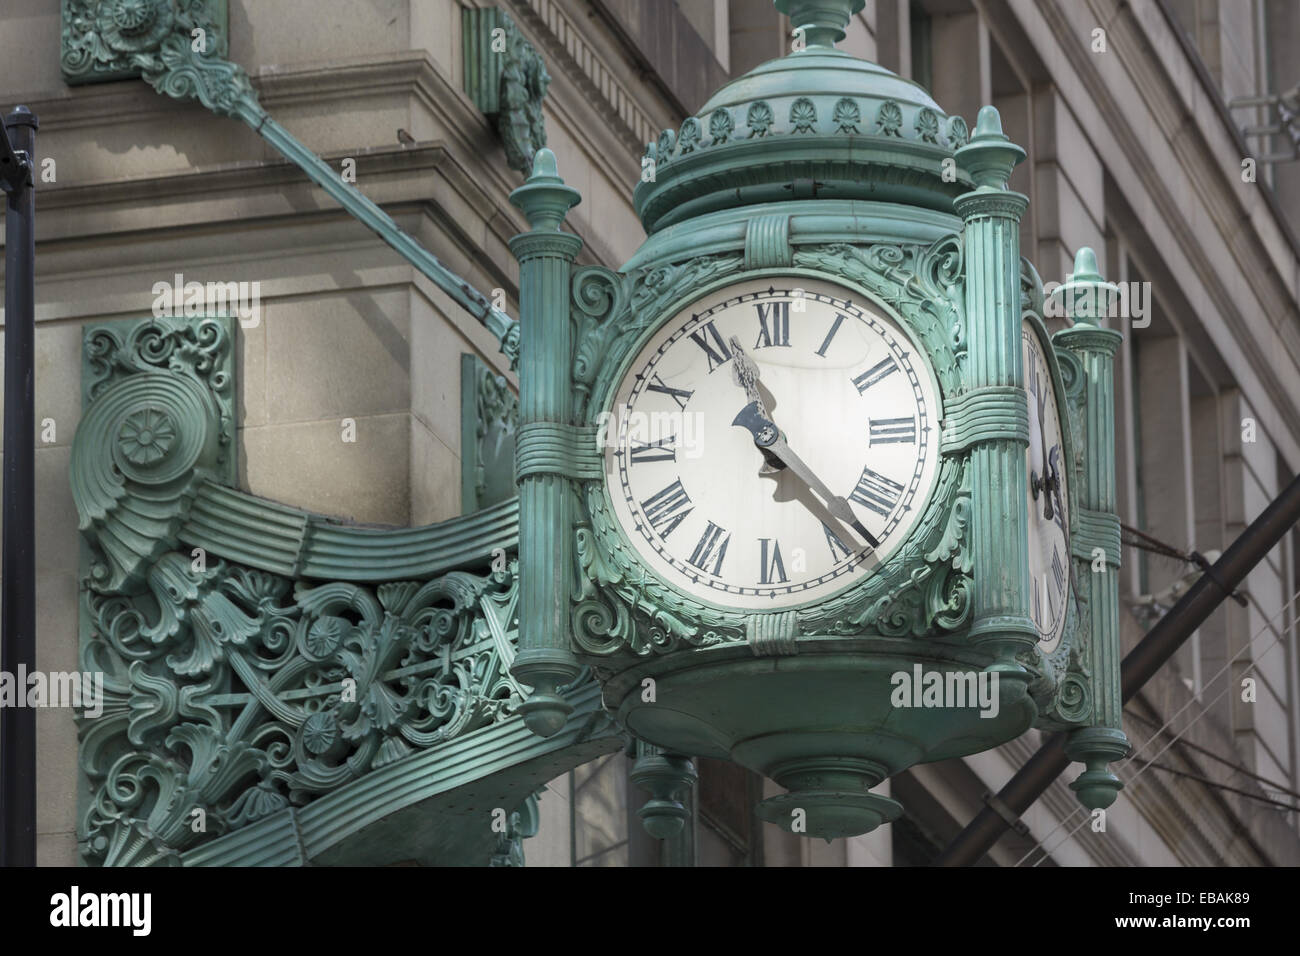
(778, 333)
(1058, 570)
(679, 395)
(839, 319)
(716, 356)
(1031, 373)
(661, 450)
(1036, 603)
(892, 431)
(838, 551)
(771, 569)
(876, 492)
(713, 538)
(664, 510)
(874, 374)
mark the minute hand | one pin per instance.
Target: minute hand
(836, 505)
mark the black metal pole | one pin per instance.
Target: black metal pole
(1159, 644)
(18, 610)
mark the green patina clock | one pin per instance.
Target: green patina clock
(811, 437)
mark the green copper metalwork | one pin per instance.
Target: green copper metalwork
(668, 777)
(992, 245)
(489, 415)
(821, 22)
(414, 809)
(1102, 740)
(115, 39)
(818, 123)
(507, 80)
(260, 662)
(174, 63)
(545, 256)
(818, 165)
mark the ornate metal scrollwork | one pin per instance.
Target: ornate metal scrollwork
(232, 693)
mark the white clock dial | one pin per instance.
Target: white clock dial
(1049, 520)
(856, 412)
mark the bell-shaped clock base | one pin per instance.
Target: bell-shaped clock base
(828, 798)
(826, 724)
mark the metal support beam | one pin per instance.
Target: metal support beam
(1151, 653)
(18, 610)
(370, 215)
(176, 66)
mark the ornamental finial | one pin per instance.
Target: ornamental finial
(544, 197)
(1086, 296)
(822, 21)
(990, 156)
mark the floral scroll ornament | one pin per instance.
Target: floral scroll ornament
(690, 137)
(889, 119)
(146, 436)
(927, 125)
(524, 82)
(720, 126)
(759, 119)
(803, 115)
(115, 39)
(132, 26)
(846, 116)
(667, 140)
(958, 133)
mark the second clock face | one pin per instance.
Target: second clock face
(740, 526)
(1049, 521)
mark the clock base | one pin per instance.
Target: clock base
(829, 814)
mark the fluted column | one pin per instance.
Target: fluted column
(545, 254)
(1096, 539)
(995, 385)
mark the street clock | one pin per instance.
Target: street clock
(811, 441)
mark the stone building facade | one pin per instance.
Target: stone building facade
(1130, 113)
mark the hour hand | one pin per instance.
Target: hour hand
(754, 418)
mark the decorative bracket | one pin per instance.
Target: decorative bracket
(179, 48)
(507, 80)
(262, 667)
(489, 413)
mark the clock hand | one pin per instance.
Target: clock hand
(768, 439)
(745, 373)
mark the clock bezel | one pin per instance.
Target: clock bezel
(679, 615)
(907, 343)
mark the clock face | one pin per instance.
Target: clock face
(823, 476)
(1049, 519)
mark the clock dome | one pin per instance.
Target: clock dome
(817, 123)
